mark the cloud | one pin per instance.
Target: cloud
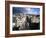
(35, 11)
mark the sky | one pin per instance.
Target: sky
(26, 10)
